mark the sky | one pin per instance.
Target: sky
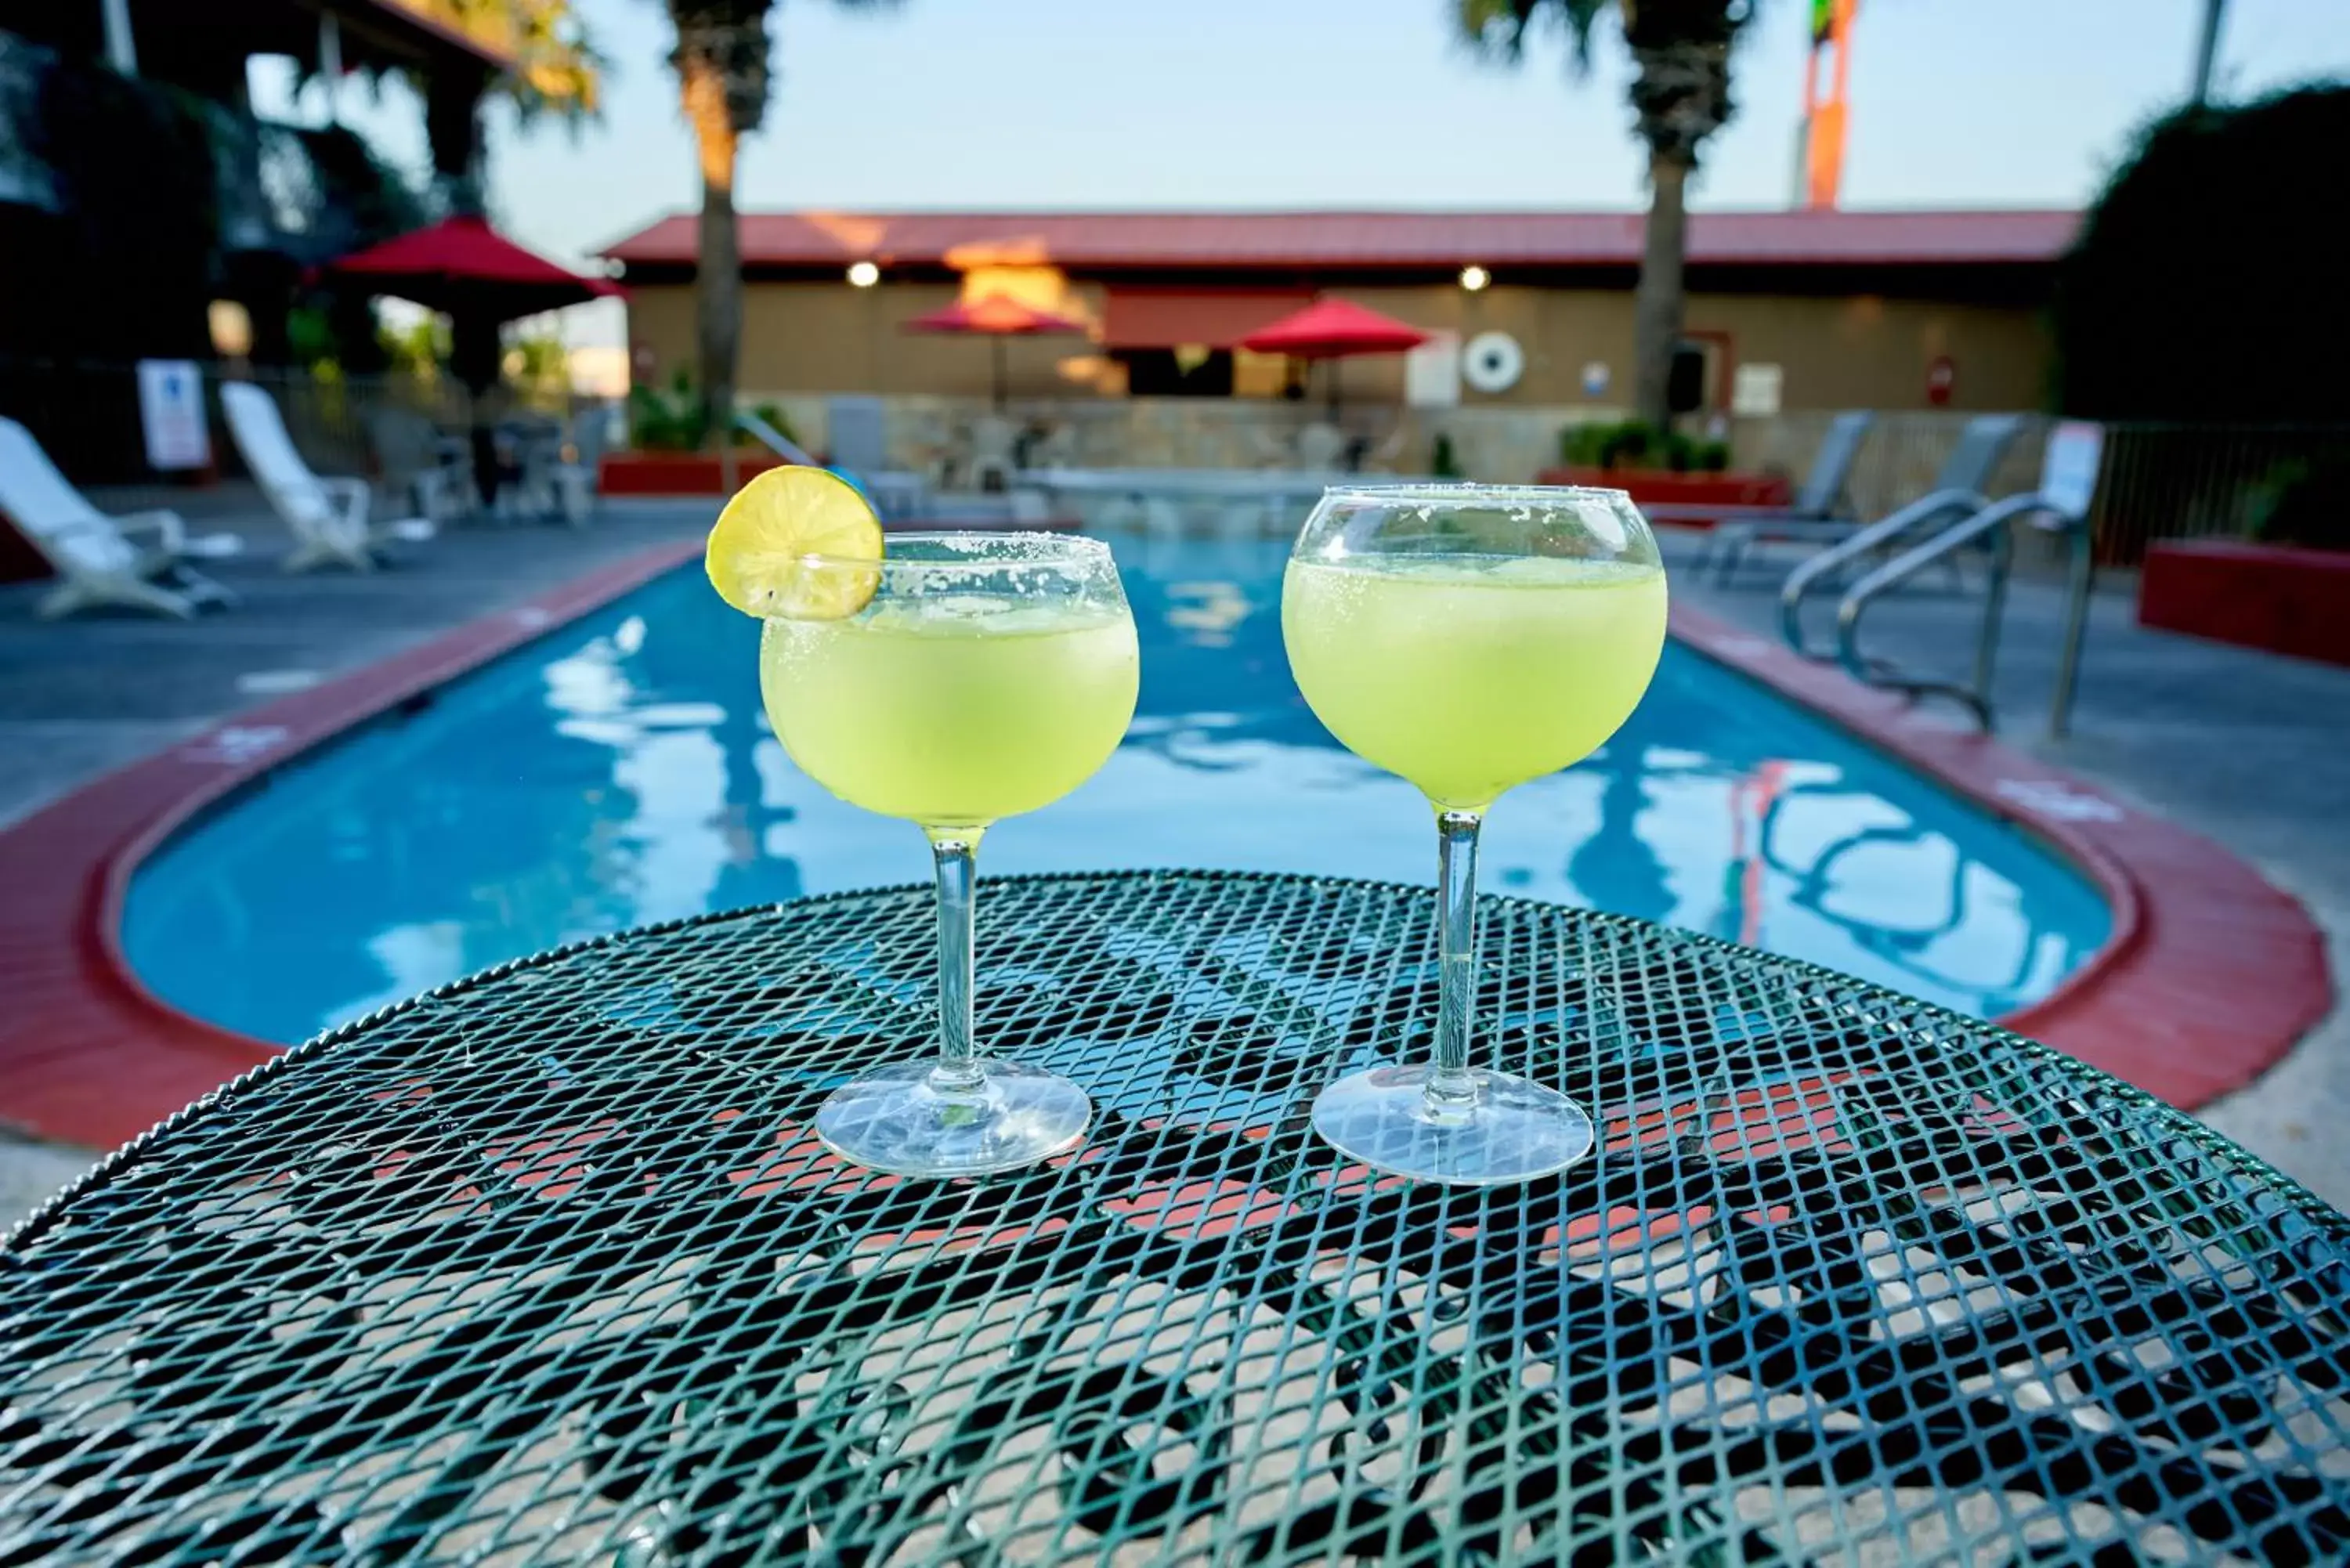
(1009, 104)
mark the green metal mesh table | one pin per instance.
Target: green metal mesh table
(545, 1268)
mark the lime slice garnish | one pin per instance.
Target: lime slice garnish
(757, 557)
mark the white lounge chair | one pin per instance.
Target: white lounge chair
(91, 552)
(328, 517)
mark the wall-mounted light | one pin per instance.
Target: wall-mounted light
(863, 275)
(232, 329)
(1474, 278)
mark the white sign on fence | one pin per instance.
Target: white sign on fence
(1431, 372)
(172, 412)
(1754, 390)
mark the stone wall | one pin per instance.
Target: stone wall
(1499, 445)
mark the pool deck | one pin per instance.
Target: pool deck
(2250, 751)
(2247, 750)
(84, 695)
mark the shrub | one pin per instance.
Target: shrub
(1443, 461)
(2207, 281)
(1633, 445)
(2305, 504)
(773, 415)
(673, 421)
(666, 422)
(1578, 445)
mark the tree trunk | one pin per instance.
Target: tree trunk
(718, 274)
(1656, 307)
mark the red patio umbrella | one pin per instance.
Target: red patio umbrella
(1333, 329)
(463, 267)
(999, 317)
(478, 278)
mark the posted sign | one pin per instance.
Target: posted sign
(172, 412)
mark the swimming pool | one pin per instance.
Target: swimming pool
(619, 771)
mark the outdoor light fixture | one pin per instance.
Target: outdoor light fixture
(863, 275)
(231, 327)
(1474, 278)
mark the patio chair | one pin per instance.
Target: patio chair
(991, 461)
(1384, 457)
(1981, 445)
(856, 431)
(1266, 448)
(528, 445)
(1321, 449)
(328, 517)
(577, 470)
(433, 471)
(1055, 448)
(1821, 499)
(99, 562)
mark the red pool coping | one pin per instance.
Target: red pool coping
(2210, 975)
(87, 1053)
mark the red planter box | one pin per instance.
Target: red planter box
(2279, 598)
(1663, 487)
(676, 473)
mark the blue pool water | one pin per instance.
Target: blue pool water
(620, 772)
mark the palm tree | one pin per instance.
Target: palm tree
(1681, 95)
(722, 77)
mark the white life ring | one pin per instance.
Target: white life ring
(1492, 362)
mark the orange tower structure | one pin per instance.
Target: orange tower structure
(1824, 112)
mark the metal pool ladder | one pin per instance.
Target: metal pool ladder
(2059, 506)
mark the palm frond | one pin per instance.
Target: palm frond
(1498, 29)
(557, 70)
(722, 57)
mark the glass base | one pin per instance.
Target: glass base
(1515, 1131)
(893, 1121)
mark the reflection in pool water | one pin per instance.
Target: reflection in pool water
(620, 772)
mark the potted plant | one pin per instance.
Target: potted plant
(1658, 466)
(668, 434)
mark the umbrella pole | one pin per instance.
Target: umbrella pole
(1000, 372)
(1330, 385)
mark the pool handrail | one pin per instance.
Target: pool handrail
(1994, 522)
(1883, 534)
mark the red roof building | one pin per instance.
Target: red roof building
(1848, 307)
(1367, 241)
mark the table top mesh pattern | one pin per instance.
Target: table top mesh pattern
(547, 1268)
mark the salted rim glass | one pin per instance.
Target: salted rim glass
(987, 675)
(1469, 639)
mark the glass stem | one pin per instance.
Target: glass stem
(1451, 1093)
(958, 1071)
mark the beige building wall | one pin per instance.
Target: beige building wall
(1848, 351)
(816, 337)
